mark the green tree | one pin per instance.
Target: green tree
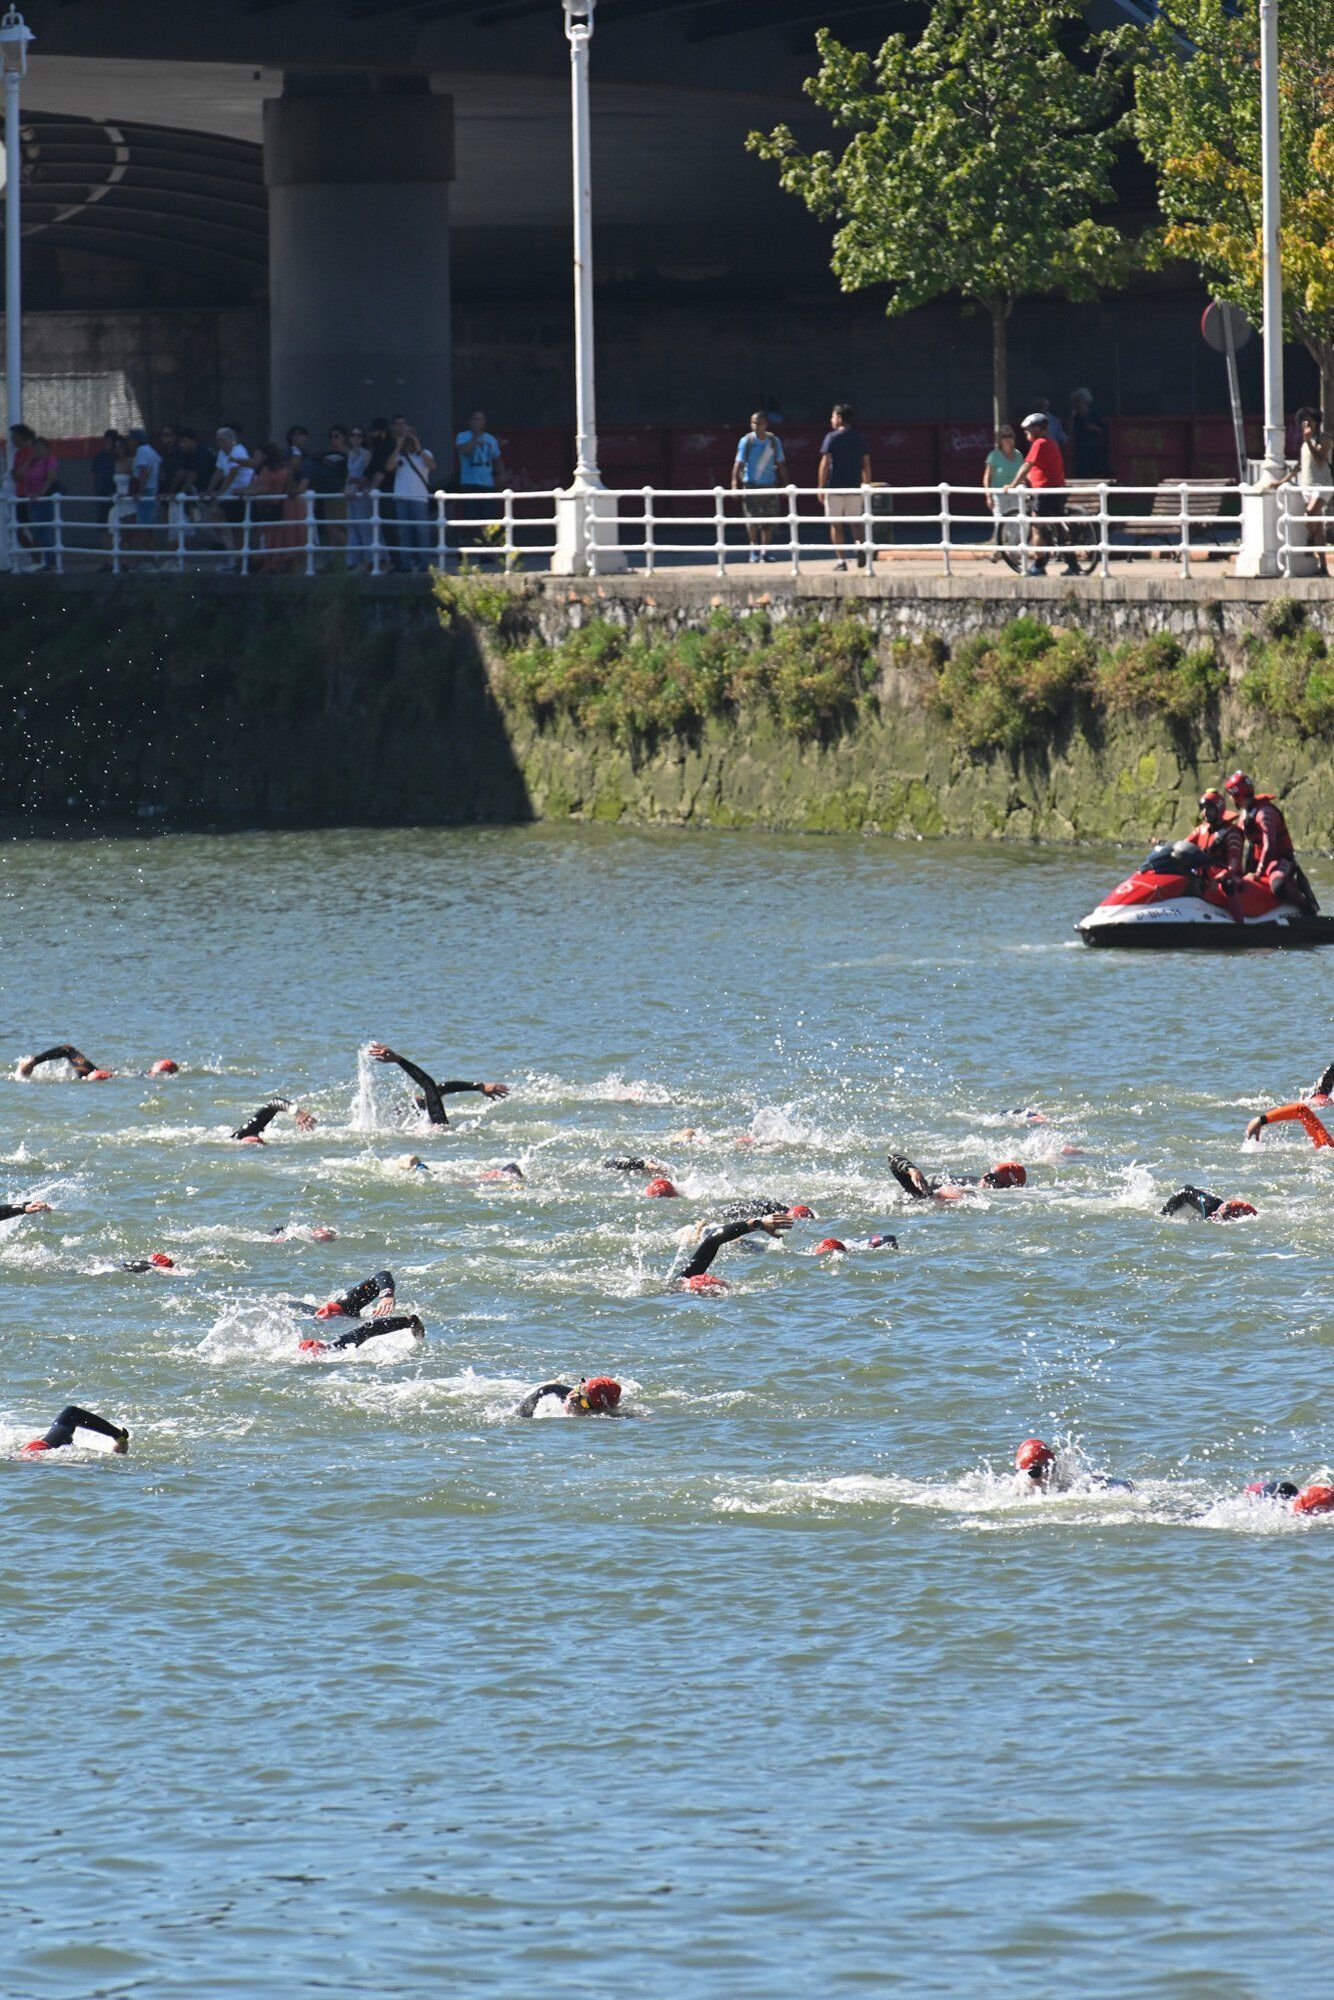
(1197, 119)
(977, 157)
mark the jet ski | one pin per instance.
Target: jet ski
(1175, 900)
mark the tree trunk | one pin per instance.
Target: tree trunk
(1000, 362)
(1324, 354)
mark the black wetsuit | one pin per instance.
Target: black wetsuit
(629, 1163)
(64, 1052)
(72, 1419)
(1277, 1489)
(695, 1259)
(356, 1299)
(371, 1329)
(1324, 1084)
(1199, 1199)
(262, 1119)
(10, 1208)
(914, 1182)
(534, 1396)
(740, 1211)
(431, 1100)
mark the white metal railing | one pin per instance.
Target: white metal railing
(648, 528)
(1305, 522)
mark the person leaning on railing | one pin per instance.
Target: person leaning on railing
(358, 500)
(410, 468)
(1002, 466)
(232, 477)
(1315, 482)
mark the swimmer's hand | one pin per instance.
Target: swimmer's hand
(305, 1121)
(38, 1208)
(495, 1090)
(1256, 1126)
(775, 1225)
(381, 1052)
(416, 1328)
(122, 1443)
(27, 1066)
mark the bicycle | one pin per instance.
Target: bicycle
(1074, 539)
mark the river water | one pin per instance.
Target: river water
(346, 1682)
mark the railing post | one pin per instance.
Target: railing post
(440, 544)
(58, 533)
(180, 505)
(115, 536)
(1104, 533)
(1185, 529)
(308, 513)
(794, 529)
(650, 551)
(945, 526)
(1021, 494)
(375, 530)
(720, 530)
(507, 503)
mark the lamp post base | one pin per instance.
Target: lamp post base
(587, 534)
(1259, 552)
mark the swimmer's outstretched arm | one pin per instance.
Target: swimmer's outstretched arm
(432, 1092)
(1324, 1084)
(1199, 1199)
(371, 1329)
(379, 1285)
(910, 1178)
(712, 1242)
(530, 1402)
(266, 1114)
(72, 1419)
(11, 1208)
(1304, 1116)
(62, 1052)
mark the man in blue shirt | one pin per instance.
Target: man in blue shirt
(481, 471)
(845, 467)
(759, 460)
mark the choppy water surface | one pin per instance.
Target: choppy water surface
(344, 1682)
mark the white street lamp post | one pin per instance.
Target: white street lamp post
(586, 533)
(15, 35)
(1260, 507)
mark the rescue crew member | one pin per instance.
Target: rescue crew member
(1219, 836)
(1270, 855)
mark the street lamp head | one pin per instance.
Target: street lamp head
(15, 35)
(579, 17)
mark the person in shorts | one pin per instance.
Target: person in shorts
(759, 460)
(845, 467)
(1043, 471)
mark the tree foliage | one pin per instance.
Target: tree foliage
(976, 159)
(1197, 119)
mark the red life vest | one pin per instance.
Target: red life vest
(1267, 832)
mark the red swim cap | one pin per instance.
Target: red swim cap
(601, 1392)
(252, 1139)
(1314, 1500)
(829, 1244)
(331, 1309)
(1232, 1211)
(661, 1187)
(1034, 1456)
(98, 1076)
(163, 1261)
(321, 1234)
(164, 1066)
(1006, 1174)
(706, 1282)
(312, 1346)
(38, 1444)
(803, 1212)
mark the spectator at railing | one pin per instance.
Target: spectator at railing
(104, 475)
(268, 490)
(411, 467)
(186, 470)
(844, 463)
(327, 475)
(1000, 470)
(380, 479)
(124, 508)
(146, 468)
(232, 477)
(40, 485)
(759, 461)
(358, 500)
(481, 472)
(298, 444)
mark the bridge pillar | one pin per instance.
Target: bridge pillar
(358, 171)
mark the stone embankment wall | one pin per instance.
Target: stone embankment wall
(237, 703)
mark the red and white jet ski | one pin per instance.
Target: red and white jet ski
(1172, 902)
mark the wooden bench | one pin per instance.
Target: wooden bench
(1162, 523)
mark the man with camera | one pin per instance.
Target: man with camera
(410, 477)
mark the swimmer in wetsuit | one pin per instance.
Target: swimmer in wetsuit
(357, 1336)
(353, 1302)
(691, 1268)
(72, 1419)
(84, 1071)
(1322, 1089)
(1005, 1174)
(1043, 1470)
(1211, 1206)
(8, 1209)
(251, 1133)
(596, 1396)
(432, 1094)
(1283, 1114)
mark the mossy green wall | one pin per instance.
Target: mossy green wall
(333, 703)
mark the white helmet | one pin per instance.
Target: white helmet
(1038, 417)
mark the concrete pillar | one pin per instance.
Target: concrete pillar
(358, 172)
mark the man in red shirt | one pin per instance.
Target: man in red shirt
(1043, 470)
